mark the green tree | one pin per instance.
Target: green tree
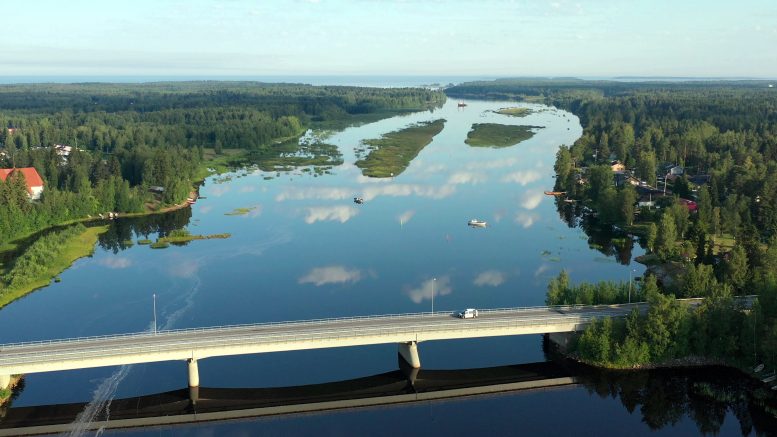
(652, 234)
(667, 237)
(735, 271)
(627, 199)
(599, 179)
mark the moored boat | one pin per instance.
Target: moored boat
(555, 193)
(477, 223)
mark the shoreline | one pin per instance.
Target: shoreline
(675, 363)
(79, 247)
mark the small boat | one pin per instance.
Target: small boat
(769, 379)
(358, 200)
(758, 368)
(462, 104)
(555, 193)
(477, 223)
(570, 200)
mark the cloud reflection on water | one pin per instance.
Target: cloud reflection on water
(522, 177)
(492, 278)
(440, 287)
(341, 213)
(531, 199)
(331, 275)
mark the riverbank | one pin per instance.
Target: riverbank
(6, 393)
(75, 247)
(565, 343)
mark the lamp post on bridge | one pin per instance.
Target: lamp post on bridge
(434, 282)
(631, 271)
(154, 296)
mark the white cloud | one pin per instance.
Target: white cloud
(403, 190)
(491, 165)
(531, 199)
(405, 216)
(339, 213)
(219, 190)
(317, 193)
(493, 278)
(118, 262)
(440, 287)
(466, 177)
(526, 219)
(522, 177)
(331, 275)
(541, 269)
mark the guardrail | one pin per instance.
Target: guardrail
(315, 321)
(281, 338)
(237, 332)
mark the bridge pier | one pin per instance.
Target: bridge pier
(409, 351)
(194, 373)
(5, 381)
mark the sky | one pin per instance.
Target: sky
(602, 38)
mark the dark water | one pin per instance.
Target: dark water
(305, 250)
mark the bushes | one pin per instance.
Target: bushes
(35, 260)
(560, 292)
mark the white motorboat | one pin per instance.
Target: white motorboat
(477, 223)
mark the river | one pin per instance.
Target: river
(306, 250)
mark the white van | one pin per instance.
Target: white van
(469, 313)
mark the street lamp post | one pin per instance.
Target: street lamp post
(434, 282)
(154, 313)
(630, 274)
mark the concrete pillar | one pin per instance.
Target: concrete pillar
(194, 395)
(409, 351)
(194, 373)
(5, 381)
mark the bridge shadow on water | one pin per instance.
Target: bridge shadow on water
(662, 397)
(208, 403)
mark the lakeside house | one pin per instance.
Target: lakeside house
(690, 204)
(617, 166)
(31, 176)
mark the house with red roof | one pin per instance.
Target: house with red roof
(31, 176)
(690, 204)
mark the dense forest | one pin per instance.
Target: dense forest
(722, 136)
(124, 139)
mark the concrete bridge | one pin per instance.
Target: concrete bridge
(191, 345)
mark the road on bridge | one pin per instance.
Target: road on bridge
(25, 353)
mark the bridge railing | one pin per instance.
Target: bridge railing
(172, 344)
(401, 316)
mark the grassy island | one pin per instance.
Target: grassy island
(392, 153)
(240, 211)
(46, 258)
(498, 135)
(515, 112)
(181, 237)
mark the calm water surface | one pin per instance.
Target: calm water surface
(307, 251)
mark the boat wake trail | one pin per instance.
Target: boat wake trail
(105, 392)
(101, 402)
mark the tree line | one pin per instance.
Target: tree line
(126, 138)
(724, 130)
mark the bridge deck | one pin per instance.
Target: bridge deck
(233, 340)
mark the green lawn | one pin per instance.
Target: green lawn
(498, 135)
(392, 153)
